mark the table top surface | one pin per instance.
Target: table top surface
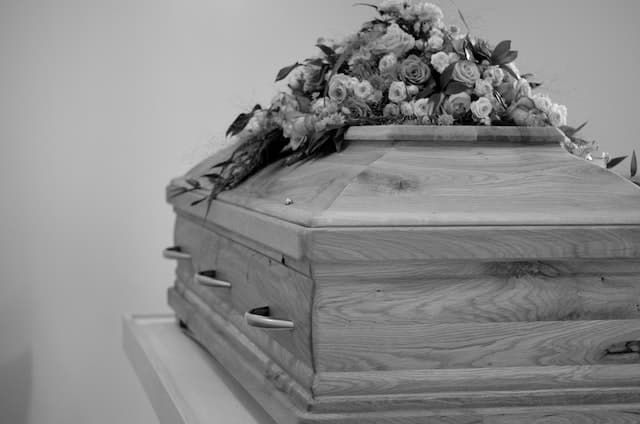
(185, 385)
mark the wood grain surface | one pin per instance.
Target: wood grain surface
(417, 183)
(288, 404)
(399, 382)
(356, 346)
(336, 245)
(479, 299)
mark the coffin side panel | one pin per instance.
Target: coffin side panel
(256, 281)
(483, 314)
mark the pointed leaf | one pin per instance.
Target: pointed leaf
(634, 164)
(238, 124)
(284, 72)
(615, 161)
(446, 76)
(328, 51)
(223, 163)
(456, 87)
(366, 4)
(501, 49)
(427, 90)
(508, 57)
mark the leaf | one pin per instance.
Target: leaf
(570, 131)
(316, 61)
(328, 51)
(508, 57)
(197, 202)
(510, 71)
(284, 72)
(427, 90)
(456, 87)
(501, 49)
(615, 161)
(446, 76)
(468, 49)
(435, 101)
(366, 4)
(341, 60)
(634, 164)
(500, 99)
(534, 85)
(223, 163)
(527, 75)
(193, 182)
(241, 121)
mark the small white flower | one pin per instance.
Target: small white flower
(483, 87)
(557, 115)
(542, 102)
(412, 90)
(435, 42)
(391, 110)
(387, 62)
(363, 90)
(440, 61)
(397, 92)
(406, 108)
(421, 107)
(481, 108)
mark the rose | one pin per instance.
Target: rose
(453, 58)
(338, 89)
(387, 62)
(435, 42)
(397, 92)
(363, 90)
(395, 40)
(391, 110)
(483, 88)
(542, 102)
(412, 90)
(440, 61)
(466, 72)
(424, 12)
(358, 108)
(494, 74)
(557, 115)
(421, 107)
(457, 104)
(481, 108)
(414, 71)
(406, 108)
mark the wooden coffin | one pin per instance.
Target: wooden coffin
(423, 275)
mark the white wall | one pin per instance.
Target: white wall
(101, 103)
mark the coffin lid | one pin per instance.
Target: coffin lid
(434, 178)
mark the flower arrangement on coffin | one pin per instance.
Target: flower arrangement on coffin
(405, 67)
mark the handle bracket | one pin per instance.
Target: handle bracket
(260, 318)
(175, 252)
(208, 278)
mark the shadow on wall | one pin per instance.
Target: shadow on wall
(15, 398)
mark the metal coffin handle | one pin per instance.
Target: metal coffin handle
(208, 278)
(175, 252)
(259, 317)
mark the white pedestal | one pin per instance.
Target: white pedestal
(184, 384)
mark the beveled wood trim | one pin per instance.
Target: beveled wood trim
(285, 237)
(239, 355)
(478, 379)
(456, 133)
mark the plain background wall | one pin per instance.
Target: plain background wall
(102, 102)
